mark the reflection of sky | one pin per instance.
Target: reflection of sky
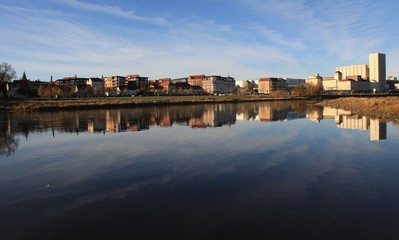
(70, 158)
(290, 163)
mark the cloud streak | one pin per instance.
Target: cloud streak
(111, 10)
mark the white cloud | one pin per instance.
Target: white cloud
(111, 10)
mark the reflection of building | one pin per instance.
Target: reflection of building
(354, 122)
(378, 130)
(269, 114)
(346, 120)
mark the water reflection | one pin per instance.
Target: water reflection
(220, 171)
(347, 120)
(194, 116)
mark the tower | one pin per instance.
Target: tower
(377, 69)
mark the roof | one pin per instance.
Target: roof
(164, 84)
(197, 76)
(270, 79)
(24, 78)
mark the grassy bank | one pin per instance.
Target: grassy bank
(114, 102)
(384, 107)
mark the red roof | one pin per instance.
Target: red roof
(197, 76)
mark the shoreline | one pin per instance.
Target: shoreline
(377, 107)
(8, 105)
(386, 108)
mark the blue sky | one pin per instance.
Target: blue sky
(246, 39)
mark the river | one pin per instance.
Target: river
(266, 170)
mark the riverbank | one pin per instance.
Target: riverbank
(383, 107)
(116, 102)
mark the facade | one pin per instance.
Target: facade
(315, 80)
(96, 83)
(268, 85)
(330, 84)
(353, 85)
(377, 67)
(196, 80)
(135, 82)
(178, 88)
(114, 82)
(71, 81)
(179, 80)
(294, 82)
(349, 84)
(217, 85)
(361, 70)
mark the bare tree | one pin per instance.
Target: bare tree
(7, 74)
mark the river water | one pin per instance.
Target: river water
(268, 170)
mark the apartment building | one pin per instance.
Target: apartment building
(115, 82)
(136, 82)
(217, 84)
(268, 85)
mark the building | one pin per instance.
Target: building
(377, 66)
(348, 84)
(196, 80)
(214, 84)
(356, 78)
(96, 83)
(268, 85)
(114, 82)
(23, 87)
(294, 82)
(361, 70)
(315, 80)
(374, 72)
(71, 81)
(136, 82)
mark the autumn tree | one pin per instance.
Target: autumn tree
(314, 90)
(299, 91)
(7, 74)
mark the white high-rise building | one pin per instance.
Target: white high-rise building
(377, 70)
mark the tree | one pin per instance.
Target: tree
(314, 90)
(299, 91)
(7, 74)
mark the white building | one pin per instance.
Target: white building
(377, 68)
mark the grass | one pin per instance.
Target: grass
(382, 107)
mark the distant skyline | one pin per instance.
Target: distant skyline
(246, 39)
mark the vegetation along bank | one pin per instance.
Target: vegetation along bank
(383, 107)
(117, 102)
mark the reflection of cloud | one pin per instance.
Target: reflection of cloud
(289, 165)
